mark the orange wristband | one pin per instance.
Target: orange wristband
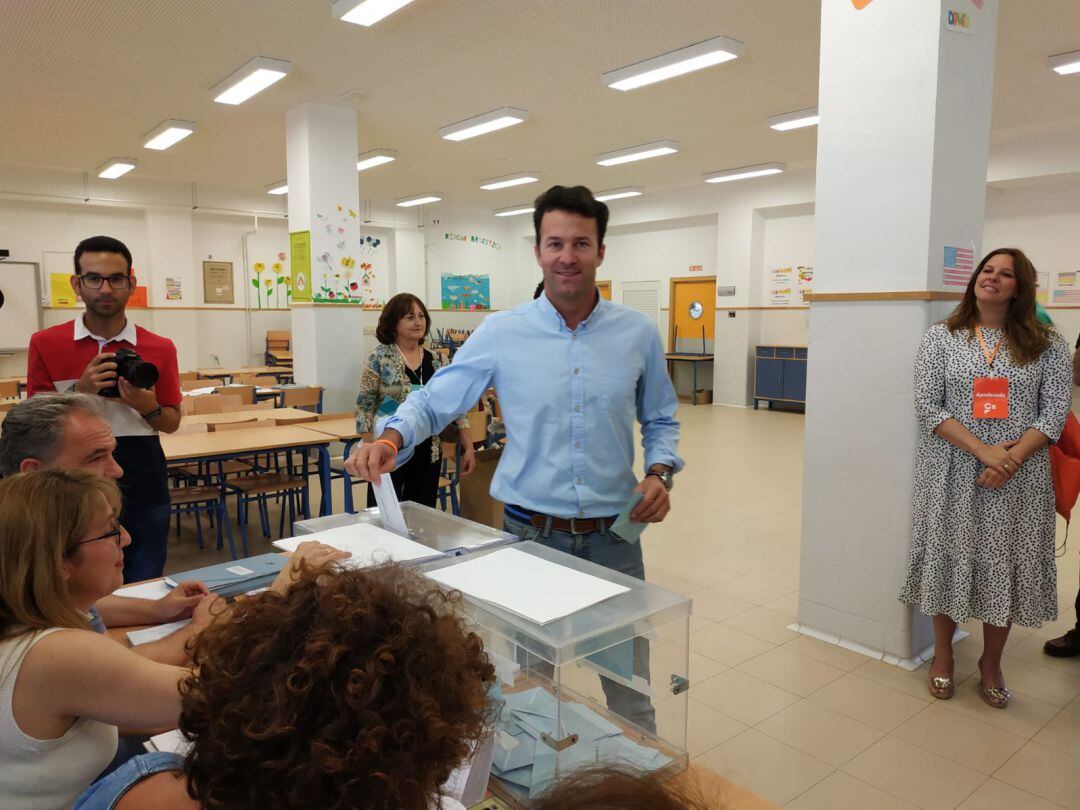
(388, 443)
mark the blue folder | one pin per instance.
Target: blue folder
(234, 577)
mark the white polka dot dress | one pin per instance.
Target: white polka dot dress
(977, 552)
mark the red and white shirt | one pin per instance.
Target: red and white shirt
(57, 358)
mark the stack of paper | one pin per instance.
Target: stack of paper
(158, 631)
(146, 590)
(526, 585)
(527, 764)
(172, 741)
(368, 544)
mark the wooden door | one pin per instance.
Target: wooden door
(605, 289)
(692, 325)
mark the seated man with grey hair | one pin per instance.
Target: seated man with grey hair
(69, 431)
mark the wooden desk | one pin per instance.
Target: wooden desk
(694, 360)
(244, 416)
(229, 373)
(240, 443)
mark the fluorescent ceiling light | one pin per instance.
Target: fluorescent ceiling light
(519, 179)
(675, 63)
(168, 133)
(365, 12)
(252, 78)
(280, 187)
(514, 210)
(1066, 63)
(483, 124)
(619, 193)
(794, 120)
(375, 157)
(418, 199)
(646, 150)
(743, 173)
(116, 167)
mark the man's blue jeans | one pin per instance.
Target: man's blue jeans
(149, 530)
(615, 553)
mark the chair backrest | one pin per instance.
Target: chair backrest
(477, 425)
(211, 403)
(326, 417)
(245, 425)
(189, 375)
(244, 379)
(258, 406)
(265, 381)
(246, 393)
(310, 396)
(9, 389)
(278, 339)
(231, 402)
(193, 427)
(296, 420)
(192, 384)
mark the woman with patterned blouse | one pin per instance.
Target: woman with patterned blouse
(397, 367)
(992, 389)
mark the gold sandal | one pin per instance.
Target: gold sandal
(996, 697)
(941, 688)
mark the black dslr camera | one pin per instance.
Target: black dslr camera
(134, 369)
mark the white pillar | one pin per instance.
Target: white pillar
(905, 93)
(324, 200)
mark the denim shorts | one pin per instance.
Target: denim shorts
(106, 792)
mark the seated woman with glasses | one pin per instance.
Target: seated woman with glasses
(359, 689)
(399, 366)
(64, 689)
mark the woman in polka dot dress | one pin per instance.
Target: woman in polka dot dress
(992, 389)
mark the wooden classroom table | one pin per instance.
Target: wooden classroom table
(694, 360)
(229, 444)
(229, 373)
(342, 430)
(259, 415)
(19, 381)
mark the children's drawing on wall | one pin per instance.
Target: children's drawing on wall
(466, 292)
(340, 277)
(804, 283)
(272, 283)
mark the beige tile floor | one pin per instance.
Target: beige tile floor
(808, 725)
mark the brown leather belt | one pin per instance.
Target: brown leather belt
(572, 525)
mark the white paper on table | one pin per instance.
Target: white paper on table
(200, 392)
(369, 545)
(389, 507)
(527, 586)
(146, 590)
(158, 631)
(172, 741)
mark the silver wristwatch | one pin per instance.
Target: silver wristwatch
(667, 477)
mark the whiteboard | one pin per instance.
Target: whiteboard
(20, 314)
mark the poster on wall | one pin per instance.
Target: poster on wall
(470, 292)
(218, 283)
(804, 283)
(781, 287)
(300, 264)
(272, 282)
(1042, 288)
(60, 292)
(140, 298)
(1066, 297)
(1066, 279)
(172, 289)
(957, 266)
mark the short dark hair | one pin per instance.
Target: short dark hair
(101, 244)
(576, 200)
(397, 308)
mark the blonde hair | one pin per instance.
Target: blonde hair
(42, 516)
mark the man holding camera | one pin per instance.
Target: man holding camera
(135, 371)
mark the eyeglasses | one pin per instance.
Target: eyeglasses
(114, 533)
(95, 280)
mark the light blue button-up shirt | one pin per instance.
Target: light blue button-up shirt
(569, 399)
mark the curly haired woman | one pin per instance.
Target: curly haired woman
(361, 689)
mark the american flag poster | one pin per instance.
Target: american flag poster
(959, 265)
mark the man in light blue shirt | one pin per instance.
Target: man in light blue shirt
(572, 372)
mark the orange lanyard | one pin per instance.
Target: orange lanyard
(989, 355)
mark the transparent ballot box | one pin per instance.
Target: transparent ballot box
(443, 531)
(605, 683)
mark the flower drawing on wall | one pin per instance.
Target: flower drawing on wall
(341, 276)
(272, 282)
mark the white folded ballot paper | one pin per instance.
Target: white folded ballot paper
(527, 586)
(369, 545)
(389, 505)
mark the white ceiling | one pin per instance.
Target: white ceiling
(81, 81)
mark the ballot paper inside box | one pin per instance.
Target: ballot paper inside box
(605, 684)
(442, 531)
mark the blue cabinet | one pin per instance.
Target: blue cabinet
(780, 375)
